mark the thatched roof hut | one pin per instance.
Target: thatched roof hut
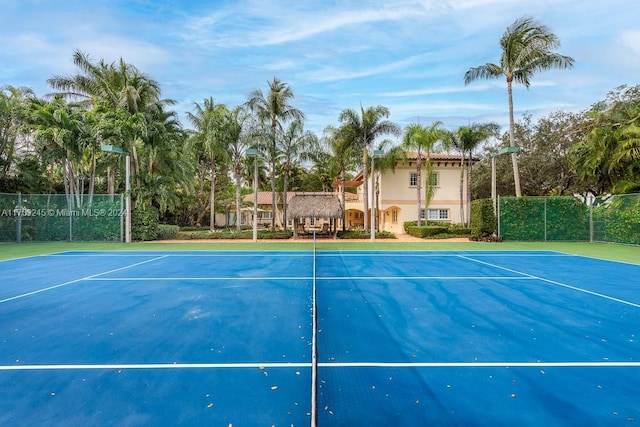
(314, 205)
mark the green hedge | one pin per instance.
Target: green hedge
(144, 224)
(618, 219)
(427, 230)
(544, 218)
(483, 219)
(167, 232)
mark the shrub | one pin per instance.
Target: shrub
(144, 223)
(483, 219)
(427, 230)
(167, 232)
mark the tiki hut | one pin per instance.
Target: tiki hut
(314, 205)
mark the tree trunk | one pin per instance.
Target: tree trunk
(419, 185)
(212, 196)
(365, 187)
(514, 157)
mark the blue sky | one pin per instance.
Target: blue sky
(409, 56)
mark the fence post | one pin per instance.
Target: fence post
(545, 218)
(498, 217)
(19, 221)
(590, 218)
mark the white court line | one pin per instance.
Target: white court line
(553, 282)
(156, 279)
(77, 280)
(574, 364)
(426, 278)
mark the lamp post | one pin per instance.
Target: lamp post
(505, 150)
(376, 154)
(127, 159)
(253, 152)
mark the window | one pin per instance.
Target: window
(359, 215)
(394, 216)
(312, 222)
(413, 179)
(266, 215)
(435, 214)
(438, 214)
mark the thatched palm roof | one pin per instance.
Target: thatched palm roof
(315, 206)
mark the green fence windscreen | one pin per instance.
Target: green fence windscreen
(57, 217)
(613, 219)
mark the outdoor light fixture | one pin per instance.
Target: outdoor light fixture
(253, 152)
(376, 154)
(118, 150)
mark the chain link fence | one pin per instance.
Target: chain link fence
(58, 217)
(612, 218)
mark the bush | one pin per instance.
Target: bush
(167, 232)
(144, 224)
(427, 231)
(483, 219)
(361, 234)
(232, 234)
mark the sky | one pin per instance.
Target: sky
(409, 56)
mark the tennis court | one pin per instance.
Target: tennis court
(403, 338)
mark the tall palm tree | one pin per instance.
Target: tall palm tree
(342, 152)
(421, 139)
(296, 144)
(274, 110)
(527, 47)
(208, 120)
(363, 129)
(466, 139)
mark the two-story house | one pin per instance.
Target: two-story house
(395, 195)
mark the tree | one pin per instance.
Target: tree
(527, 47)
(296, 144)
(421, 140)
(13, 111)
(274, 110)
(363, 129)
(208, 120)
(609, 157)
(466, 140)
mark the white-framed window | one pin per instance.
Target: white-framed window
(435, 214)
(413, 179)
(312, 222)
(394, 216)
(266, 215)
(438, 214)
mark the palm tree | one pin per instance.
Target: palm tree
(363, 129)
(207, 120)
(527, 47)
(421, 140)
(274, 110)
(296, 144)
(466, 140)
(342, 155)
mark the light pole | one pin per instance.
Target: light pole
(376, 154)
(505, 150)
(253, 152)
(127, 159)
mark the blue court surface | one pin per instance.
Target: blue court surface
(415, 338)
